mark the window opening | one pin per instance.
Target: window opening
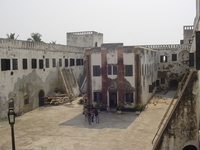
(96, 70)
(24, 63)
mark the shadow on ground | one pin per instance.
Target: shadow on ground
(107, 120)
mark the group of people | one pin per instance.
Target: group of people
(91, 115)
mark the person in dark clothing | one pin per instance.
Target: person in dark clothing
(89, 117)
(96, 113)
(92, 115)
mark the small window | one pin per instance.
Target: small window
(96, 70)
(24, 64)
(97, 96)
(77, 62)
(174, 57)
(26, 99)
(54, 62)
(150, 88)
(191, 59)
(41, 64)
(128, 70)
(163, 58)
(5, 64)
(14, 64)
(96, 44)
(109, 70)
(66, 62)
(47, 63)
(71, 62)
(34, 63)
(162, 80)
(112, 70)
(129, 98)
(157, 83)
(60, 62)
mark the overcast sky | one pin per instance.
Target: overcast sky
(132, 22)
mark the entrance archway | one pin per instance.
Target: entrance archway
(173, 85)
(41, 99)
(190, 147)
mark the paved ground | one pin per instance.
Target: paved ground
(64, 128)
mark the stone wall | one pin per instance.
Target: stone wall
(85, 39)
(27, 68)
(182, 129)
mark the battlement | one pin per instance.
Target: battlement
(85, 39)
(83, 33)
(187, 27)
(168, 47)
(18, 44)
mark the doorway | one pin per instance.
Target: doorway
(41, 98)
(190, 147)
(173, 85)
(113, 100)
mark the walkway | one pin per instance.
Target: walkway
(64, 128)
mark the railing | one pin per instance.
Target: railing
(18, 44)
(168, 47)
(83, 33)
(168, 113)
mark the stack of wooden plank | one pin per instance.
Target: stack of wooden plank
(56, 99)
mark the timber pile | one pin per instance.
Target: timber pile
(56, 99)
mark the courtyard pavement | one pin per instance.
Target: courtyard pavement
(64, 127)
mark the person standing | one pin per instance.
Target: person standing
(89, 117)
(96, 113)
(92, 115)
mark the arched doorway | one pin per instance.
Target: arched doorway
(190, 147)
(173, 85)
(41, 99)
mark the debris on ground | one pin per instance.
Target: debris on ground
(57, 98)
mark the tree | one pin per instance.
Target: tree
(53, 42)
(11, 36)
(35, 37)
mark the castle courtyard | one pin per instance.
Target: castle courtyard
(64, 127)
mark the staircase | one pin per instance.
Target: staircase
(172, 106)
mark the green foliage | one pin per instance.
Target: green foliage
(35, 37)
(11, 36)
(138, 106)
(119, 105)
(53, 42)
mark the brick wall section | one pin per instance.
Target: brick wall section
(89, 76)
(104, 76)
(137, 77)
(120, 75)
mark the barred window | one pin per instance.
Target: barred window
(96, 70)
(129, 98)
(41, 64)
(97, 96)
(5, 64)
(60, 62)
(24, 64)
(128, 70)
(174, 57)
(72, 62)
(47, 63)
(54, 62)
(14, 64)
(34, 63)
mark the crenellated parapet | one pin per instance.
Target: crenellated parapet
(18, 44)
(168, 47)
